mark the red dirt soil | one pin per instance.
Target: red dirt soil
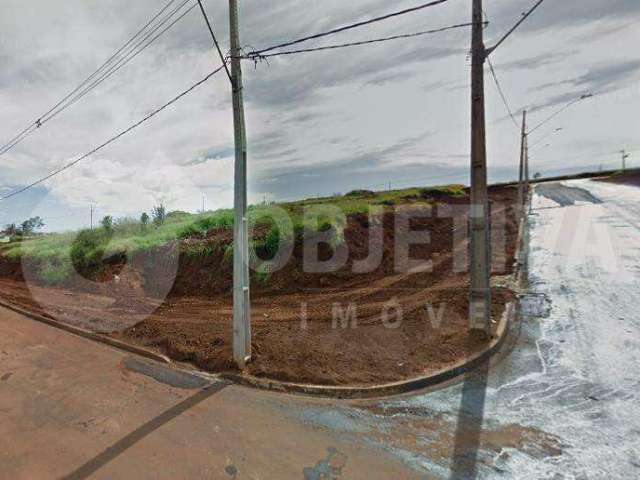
(194, 323)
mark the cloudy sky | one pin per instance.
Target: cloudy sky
(318, 123)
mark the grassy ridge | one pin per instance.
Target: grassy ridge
(58, 254)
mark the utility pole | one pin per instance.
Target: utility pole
(91, 217)
(480, 248)
(521, 172)
(625, 155)
(526, 166)
(241, 294)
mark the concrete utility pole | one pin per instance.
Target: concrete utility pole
(521, 172)
(527, 178)
(241, 294)
(91, 222)
(480, 247)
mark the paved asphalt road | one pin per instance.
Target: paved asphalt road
(562, 405)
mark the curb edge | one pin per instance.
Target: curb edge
(96, 337)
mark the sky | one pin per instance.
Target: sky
(395, 113)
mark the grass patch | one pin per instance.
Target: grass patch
(86, 250)
(55, 273)
(455, 191)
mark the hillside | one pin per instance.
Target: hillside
(169, 288)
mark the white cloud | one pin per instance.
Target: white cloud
(311, 118)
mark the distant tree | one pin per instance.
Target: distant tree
(11, 230)
(144, 220)
(537, 175)
(29, 226)
(159, 214)
(107, 223)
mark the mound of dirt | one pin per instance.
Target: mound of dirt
(335, 328)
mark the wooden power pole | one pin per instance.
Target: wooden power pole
(521, 172)
(480, 247)
(241, 294)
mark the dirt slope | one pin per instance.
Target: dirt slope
(194, 323)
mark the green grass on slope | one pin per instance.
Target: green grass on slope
(59, 253)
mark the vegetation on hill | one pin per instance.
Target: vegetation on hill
(85, 251)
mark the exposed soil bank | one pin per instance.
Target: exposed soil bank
(629, 178)
(338, 328)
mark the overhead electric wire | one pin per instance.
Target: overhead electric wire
(215, 40)
(569, 104)
(133, 53)
(544, 137)
(110, 59)
(348, 27)
(114, 138)
(80, 91)
(255, 56)
(35, 124)
(513, 29)
(502, 95)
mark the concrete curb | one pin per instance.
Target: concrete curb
(414, 384)
(389, 389)
(143, 352)
(370, 392)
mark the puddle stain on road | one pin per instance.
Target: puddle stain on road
(535, 305)
(566, 196)
(329, 468)
(162, 374)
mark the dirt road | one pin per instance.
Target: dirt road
(75, 409)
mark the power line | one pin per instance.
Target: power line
(256, 56)
(569, 104)
(114, 138)
(502, 95)
(542, 139)
(215, 40)
(489, 51)
(348, 27)
(129, 57)
(17, 138)
(80, 91)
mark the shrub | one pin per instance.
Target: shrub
(435, 193)
(227, 257)
(159, 214)
(202, 226)
(272, 241)
(55, 273)
(200, 250)
(360, 193)
(107, 222)
(144, 220)
(31, 225)
(262, 277)
(88, 249)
